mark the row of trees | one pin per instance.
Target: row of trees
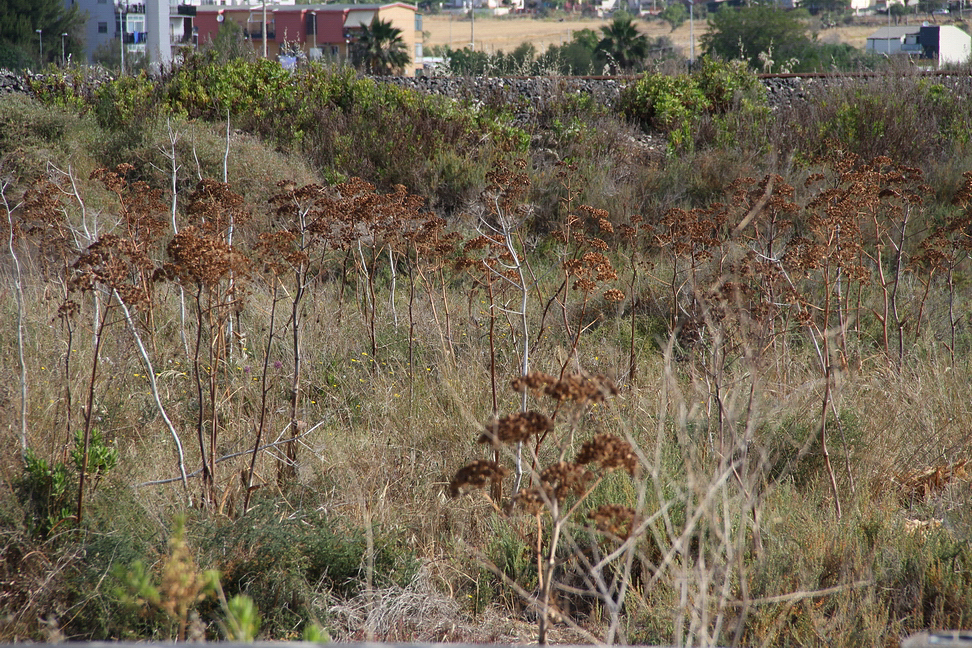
(769, 39)
(619, 47)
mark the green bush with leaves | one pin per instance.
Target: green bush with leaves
(125, 102)
(45, 487)
(907, 117)
(674, 105)
(728, 85)
(347, 125)
(666, 103)
(64, 88)
(310, 554)
(171, 599)
(49, 488)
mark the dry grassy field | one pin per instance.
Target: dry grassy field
(493, 34)
(484, 371)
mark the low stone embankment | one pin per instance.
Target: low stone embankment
(522, 91)
(528, 93)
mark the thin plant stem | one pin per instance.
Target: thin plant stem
(150, 374)
(264, 389)
(19, 290)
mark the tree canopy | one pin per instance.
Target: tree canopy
(229, 43)
(675, 14)
(19, 20)
(747, 32)
(380, 48)
(622, 43)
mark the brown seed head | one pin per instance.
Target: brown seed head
(534, 381)
(614, 519)
(613, 295)
(514, 428)
(610, 451)
(581, 389)
(477, 474)
(564, 478)
(532, 500)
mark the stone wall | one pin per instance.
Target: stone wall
(526, 93)
(523, 91)
(11, 83)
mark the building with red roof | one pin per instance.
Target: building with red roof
(323, 31)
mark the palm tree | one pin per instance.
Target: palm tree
(623, 44)
(380, 49)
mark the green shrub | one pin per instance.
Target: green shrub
(665, 103)
(675, 105)
(287, 564)
(728, 85)
(64, 88)
(48, 489)
(347, 126)
(125, 102)
(45, 489)
(904, 116)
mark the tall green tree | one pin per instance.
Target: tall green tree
(571, 58)
(675, 14)
(19, 20)
(898, 11)
(380, 49)
(746, 32)
(623, 44)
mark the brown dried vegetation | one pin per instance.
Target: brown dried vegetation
(703, 381)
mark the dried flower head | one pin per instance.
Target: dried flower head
(514, 428)
(535, 381)
(532, 500)
(564, 478)
(581, 389)
(478, 474)
(614, 519)
(610, 452)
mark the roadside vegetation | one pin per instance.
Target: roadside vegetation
(306, 356)
(768, 38)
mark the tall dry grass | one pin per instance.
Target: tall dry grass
(688, 499)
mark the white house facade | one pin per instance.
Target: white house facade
(941, 44)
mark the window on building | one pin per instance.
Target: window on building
(102, 28)
(418, 22)
(418, 50)
(334, 50)
(102, 1)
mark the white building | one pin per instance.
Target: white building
(102, 25)
(496, 7)
(941, 44)
(151, 27)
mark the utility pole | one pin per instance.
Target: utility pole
(264, 28)
(40, 44)
(121, 32)
(691, 32)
